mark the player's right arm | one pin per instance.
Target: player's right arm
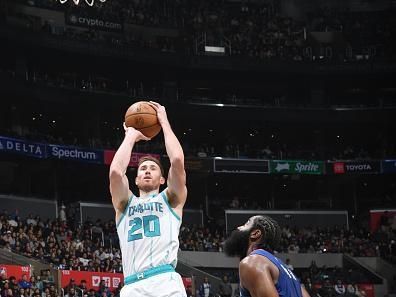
(119, 185)
(256, 277)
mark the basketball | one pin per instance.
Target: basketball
(143, 117)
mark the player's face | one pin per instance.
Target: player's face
(238, 242)
(149, 176)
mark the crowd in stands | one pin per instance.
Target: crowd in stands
(66, 245)
(332, 282)
(113, 137)
(251, 29)
(58, 243)
(62, 245)
(357, 243)
(122, 86)
(10, 286)
(318, 281)
(36, 286)
(70, 246)
(254, 143)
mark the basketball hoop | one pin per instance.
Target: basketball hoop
(89, 2)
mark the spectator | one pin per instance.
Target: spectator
(3, 279)
(103, 289)
(352, 290)
(31, 220)
(235, 203)
(70, 285)
(309, 286)
(24, 283)
(9, 293)
(84, 259)
(47, 278)
(21, 292)
(288, 264)
(34, 283)
(13, 284)
(205, 289)
(225, 288)
(327, 289)
(339, 288)
(4, 288)
(71, 292)
(36, 292)
(62, 213)
(53, 291)
(83, 287)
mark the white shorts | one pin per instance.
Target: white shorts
(168, 284)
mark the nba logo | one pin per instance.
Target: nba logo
(338, 168)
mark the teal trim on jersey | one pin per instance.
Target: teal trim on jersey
(169, 206)
(125, 211)
(148, 273)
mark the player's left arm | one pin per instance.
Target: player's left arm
(255, 276)
(177, 190)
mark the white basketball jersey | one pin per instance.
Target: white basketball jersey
(148, 231)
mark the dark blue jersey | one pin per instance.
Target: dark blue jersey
(287, 285)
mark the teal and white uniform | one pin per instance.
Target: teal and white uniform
(148, 231)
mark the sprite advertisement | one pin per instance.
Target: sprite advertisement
(297, 167)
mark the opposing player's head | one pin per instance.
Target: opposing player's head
(260, 231)
(150, 174)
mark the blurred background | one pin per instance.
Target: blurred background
(285, 108)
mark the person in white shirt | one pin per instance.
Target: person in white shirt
(339, 288)
(289, 265)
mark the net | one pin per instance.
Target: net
(89, 2)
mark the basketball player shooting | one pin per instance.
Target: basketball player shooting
(148, 225)
(261, 274)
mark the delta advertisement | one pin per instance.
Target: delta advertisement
(297, 167)
(23, 147)
(63, 152)
(14, 270)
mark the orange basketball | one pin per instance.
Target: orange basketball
(143, 117)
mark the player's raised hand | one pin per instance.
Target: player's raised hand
(161, 112)
(132, 131)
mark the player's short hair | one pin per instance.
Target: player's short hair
(271, 232)
(151, 158)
